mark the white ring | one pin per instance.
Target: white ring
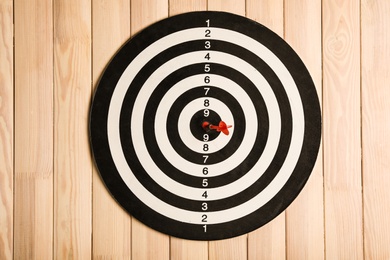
(161, 115)
(215, 169)
(249, 206)
(185, 131)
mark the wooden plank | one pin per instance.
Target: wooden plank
(231, 6)
(376, 127)
(179, 6)
(182, 248)
(188, 249)
(111, 224)
(268, 242)
(6, 129)
(342, 146)
(234, 248)
(33, 222)
(267, 12)
(304, 217)
(72, 160)
(148, 243)
(146, 12)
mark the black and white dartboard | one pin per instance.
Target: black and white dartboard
(205, 125)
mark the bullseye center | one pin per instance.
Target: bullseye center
(196, 124)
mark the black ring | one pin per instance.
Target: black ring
(133, 204)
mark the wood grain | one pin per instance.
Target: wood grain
(33, 222)
(187, 249)
(268, 242)
(376, 127)
(72, 159)
(342, 148)
(304, 217)
(270, 13)
(6, 129)
(179, 6)
(148, 243)
(146, 12)
(237, 6)
(235, 248)
(45, 163)
(111, 227)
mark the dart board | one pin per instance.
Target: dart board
(205, 125)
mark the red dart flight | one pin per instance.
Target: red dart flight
(221, 127)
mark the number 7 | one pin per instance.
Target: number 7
(205, 158)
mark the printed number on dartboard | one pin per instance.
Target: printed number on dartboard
(205, 170)
(206, 113)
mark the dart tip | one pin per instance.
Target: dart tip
(205, 124)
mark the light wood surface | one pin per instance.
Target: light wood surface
(33, 201)
(268, 242)
(305, 216)
(111, 229)
(72, 159)
(53, 204)
(342, 135)
(6, 129)
(376, 127)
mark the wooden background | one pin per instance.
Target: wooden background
(52, 201)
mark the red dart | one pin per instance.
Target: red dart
(205, 125)
(221, 127)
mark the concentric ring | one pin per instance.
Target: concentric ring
(212, 208)
(181, 132)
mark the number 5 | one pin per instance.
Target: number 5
(207, 68)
